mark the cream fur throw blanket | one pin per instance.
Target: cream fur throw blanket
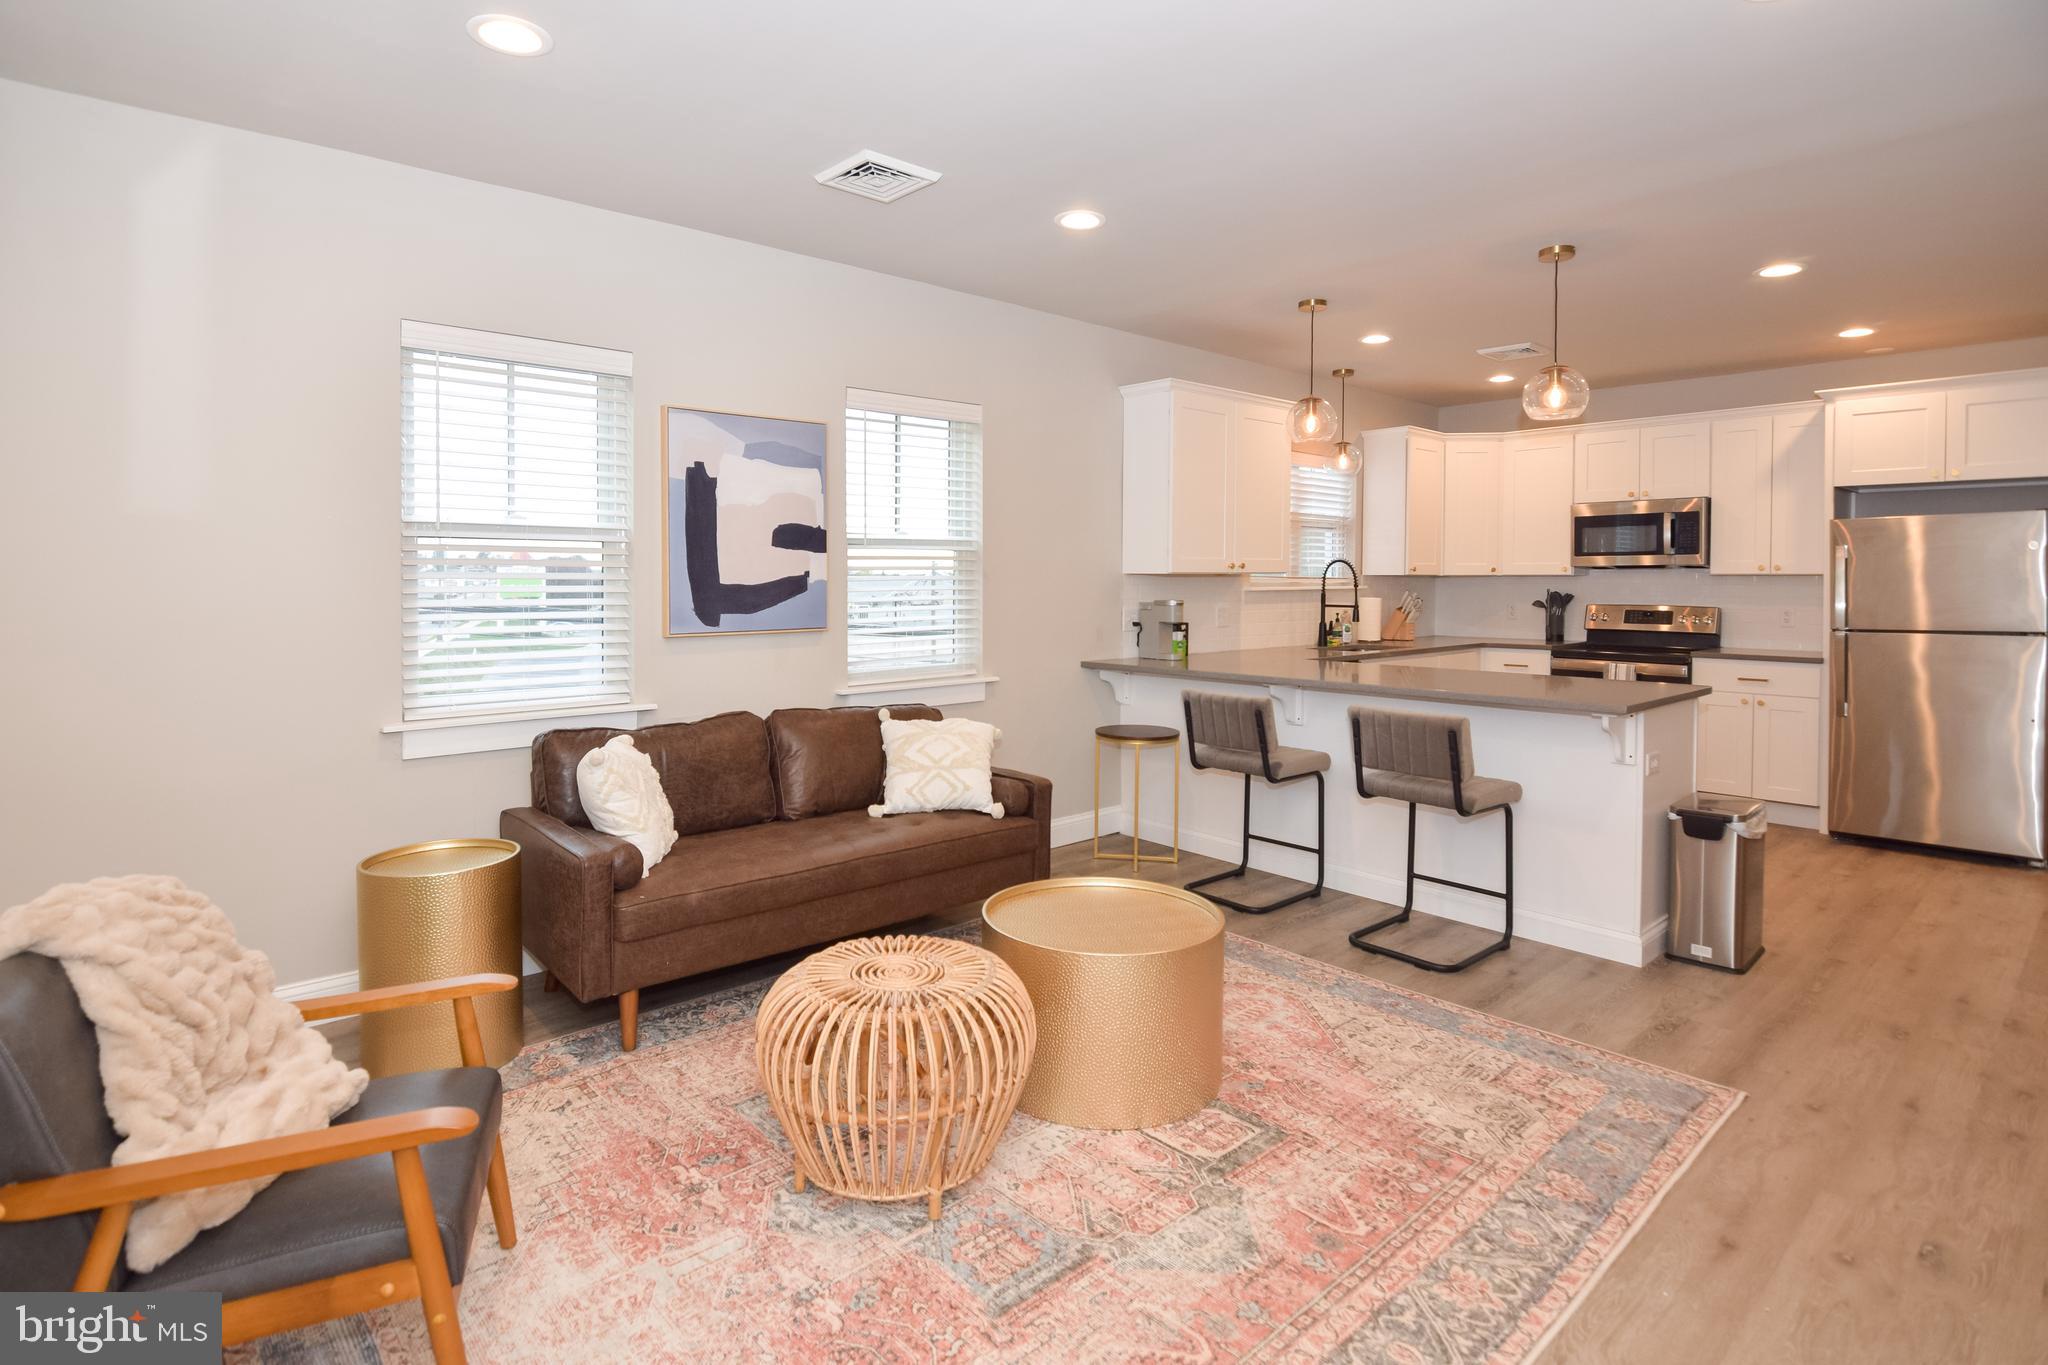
(196, 1050)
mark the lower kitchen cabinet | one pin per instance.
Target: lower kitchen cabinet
(1755, 743)
(1536, 661)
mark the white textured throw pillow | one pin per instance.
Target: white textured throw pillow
(622, 795)
(937, 765)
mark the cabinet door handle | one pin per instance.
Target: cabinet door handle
(1745, 701)
(1759, 568)
(1777, 568)
(1740, 678)
(1514, 665)
(1759, 703)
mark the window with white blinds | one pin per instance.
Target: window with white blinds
(913, 537)
(1322, 518)
(516, 488)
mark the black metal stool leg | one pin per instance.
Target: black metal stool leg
(1359, 937)
(1244, 862)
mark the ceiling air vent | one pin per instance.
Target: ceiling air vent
(874, 176)
(1519, 350)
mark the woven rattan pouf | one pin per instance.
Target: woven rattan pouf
(894, 1064)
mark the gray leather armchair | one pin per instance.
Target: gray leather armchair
(377, 1208)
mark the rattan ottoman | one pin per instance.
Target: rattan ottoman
(894, 1064)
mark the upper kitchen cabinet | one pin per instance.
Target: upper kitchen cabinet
(1940, 430)
(1999, 429)
(1768, 488)
(1536, 503)
(1472, 505)
(1675, 460)
(1205, 480)
(1403, 514)
(1607, 465)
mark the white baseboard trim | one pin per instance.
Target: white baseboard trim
(341, 983)
(1449, 903)
(1078, 829)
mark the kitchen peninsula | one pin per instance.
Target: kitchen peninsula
(1599, 761)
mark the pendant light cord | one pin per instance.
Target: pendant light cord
(1555, 267)
(1312, 352)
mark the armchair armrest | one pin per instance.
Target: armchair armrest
(398, 997)
(113, 1185)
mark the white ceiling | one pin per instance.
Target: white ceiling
(1404, 160)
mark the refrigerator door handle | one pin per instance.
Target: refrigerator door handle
(1841, 672)
(1841, 586)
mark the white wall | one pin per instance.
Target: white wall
(199, 345)
(1758, 611)
(1792, 384)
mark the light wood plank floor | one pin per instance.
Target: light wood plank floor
(1881, 1196)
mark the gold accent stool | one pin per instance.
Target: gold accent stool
(1127, 981)
(893, 1064)
(1137, 738)
(449, 907)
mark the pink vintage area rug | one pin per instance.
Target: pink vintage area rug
(1385, 1177)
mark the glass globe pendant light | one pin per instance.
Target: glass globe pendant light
(1311, 424)
(1558, 393)
(1345, 454)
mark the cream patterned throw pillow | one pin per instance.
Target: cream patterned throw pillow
(937, 765)
(622, 795)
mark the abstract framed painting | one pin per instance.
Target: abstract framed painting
(743, 523)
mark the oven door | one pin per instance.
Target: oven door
(1658, 533)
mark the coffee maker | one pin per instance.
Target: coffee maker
(1162, 629)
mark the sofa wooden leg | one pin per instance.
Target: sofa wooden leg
(548, 983)
(629, 1020)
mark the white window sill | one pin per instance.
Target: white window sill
(479, 734)
(955, 690)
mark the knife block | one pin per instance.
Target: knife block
(1398, 627)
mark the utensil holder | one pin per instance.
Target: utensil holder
(1398, 627)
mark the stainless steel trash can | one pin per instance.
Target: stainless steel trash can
(1717, 881)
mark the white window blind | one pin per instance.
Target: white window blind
(913, 536)
(516, 472)
(1322, 518)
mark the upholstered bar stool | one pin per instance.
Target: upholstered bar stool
(1426, 760)
(1236, 734)
(1137, 738)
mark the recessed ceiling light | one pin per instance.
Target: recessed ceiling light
(1500, 379)
(1375, 338)
(1851, 333)
(511, 35)
(1778, 270)
(1080, 220)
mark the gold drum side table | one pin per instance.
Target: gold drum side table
(1126, 978)
(893, 1064)
(1137, 738)
(445, 908)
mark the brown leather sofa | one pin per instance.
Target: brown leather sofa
(776, 851)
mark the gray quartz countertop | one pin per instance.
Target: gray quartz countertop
(1762, 656)
(1386, 675)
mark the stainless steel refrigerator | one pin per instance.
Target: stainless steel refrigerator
(1940, 677)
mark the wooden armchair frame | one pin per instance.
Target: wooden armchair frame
(115, 1190)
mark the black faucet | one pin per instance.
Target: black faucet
(1323, 599)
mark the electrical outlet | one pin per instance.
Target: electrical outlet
(1653, 763)
(1513, 610)
(1785, 618)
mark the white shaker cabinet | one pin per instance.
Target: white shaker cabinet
(1889, 437)
(1724, 758)
(1205, 480)
(1607, 465)
(1759, 730)
(1403, 515)
(1998, 429)
(1786, 751)
(1768, 489)
(1674, 460)
(1472, 505)
(1536, 503)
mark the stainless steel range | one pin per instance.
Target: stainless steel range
(1636, 641)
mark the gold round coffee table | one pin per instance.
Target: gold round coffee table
(1126, 978)
(893, 1064)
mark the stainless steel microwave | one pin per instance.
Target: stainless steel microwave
(1658, 533)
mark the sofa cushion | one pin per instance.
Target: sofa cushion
(715, 771)
(830, 761)
(737, 872)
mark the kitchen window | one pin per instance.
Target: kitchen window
(1322, 520)
(516, 494)
(913, 548)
